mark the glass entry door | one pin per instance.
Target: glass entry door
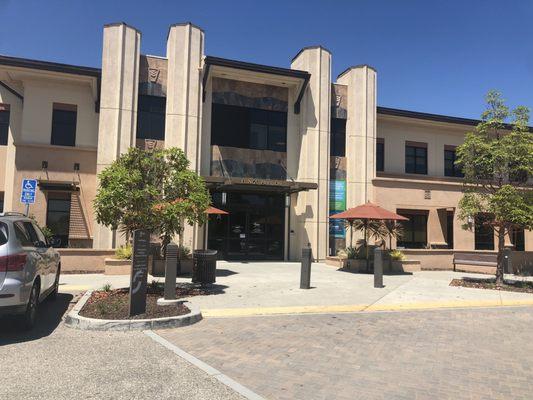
(253, 230)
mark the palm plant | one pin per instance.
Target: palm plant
(390, 229)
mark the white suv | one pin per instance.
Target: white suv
(29, 267)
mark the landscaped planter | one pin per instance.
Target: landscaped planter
(405, 266)
(114, 266)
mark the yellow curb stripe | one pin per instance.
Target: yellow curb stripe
(247, 312)
(244, 312)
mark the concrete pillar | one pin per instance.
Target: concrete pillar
(313, 163)
(360, 133)
(118, 105)
(185, 53)
(436, 227)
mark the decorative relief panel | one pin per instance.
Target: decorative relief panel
(339, 101)
(153, 76)
(251, 95)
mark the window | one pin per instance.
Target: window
(151, 112)
(3, 233)
(414, 234)
(58, 217)
(380, 155)
(450, 168)
(518, 239)
(416, 159)
(64, 124)
(337, 145)
(483, 232)
(248, 128)
(4, 124)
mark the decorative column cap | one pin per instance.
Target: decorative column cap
(356, 67)
(310, 48)
(121, 24)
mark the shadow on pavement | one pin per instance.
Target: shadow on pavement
(225, 272)
(49, 316)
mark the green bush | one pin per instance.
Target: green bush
(351, 253)
(124, 252)
(396, 255)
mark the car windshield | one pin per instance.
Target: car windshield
(3, 233)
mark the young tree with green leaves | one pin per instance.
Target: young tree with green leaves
(151, 190)
(497, 162)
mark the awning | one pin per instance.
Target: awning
(257, 185)
(58, 186)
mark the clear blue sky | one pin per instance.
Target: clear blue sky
(431, 56)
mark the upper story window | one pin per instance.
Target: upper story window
(416, 158)
(450, 168)
(64, 124)
(151, 117)
(248, 128)
(4, 124)
(380, 155)
(338, 137)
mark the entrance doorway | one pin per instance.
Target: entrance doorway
(254, 228)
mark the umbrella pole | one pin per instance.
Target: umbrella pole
(366, 247)
(351, 233)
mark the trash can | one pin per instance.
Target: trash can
(204, 266)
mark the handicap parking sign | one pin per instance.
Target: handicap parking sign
(27, 195)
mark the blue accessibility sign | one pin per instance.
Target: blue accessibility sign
(27, 195)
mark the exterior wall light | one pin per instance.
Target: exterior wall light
(44, 165)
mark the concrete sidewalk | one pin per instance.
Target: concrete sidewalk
(265, 288)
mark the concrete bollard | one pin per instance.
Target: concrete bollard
(378, 268)
(507, 267)
(305, 273)
(171, 263)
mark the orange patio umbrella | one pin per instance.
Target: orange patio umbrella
(212, 211)
(367, 212)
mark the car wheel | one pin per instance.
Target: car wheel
(28, 319)
(53, 294)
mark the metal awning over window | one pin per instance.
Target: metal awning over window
(257, 185)
(62, 186)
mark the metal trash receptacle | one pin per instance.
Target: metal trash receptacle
(204, 266)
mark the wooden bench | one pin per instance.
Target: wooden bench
(477, 259)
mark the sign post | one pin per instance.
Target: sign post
(27, 193)
(139, 271)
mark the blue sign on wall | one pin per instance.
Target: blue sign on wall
(27, 194)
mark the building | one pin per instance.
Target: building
(280, 148)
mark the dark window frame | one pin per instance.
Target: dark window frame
(418, 221)
(60, 197)
(380, 155)
(337, 146)
(420, 152)
(64, 124)
(451, 169)
(151, 117)
(483, 233)
(5, 115)
(231, 126)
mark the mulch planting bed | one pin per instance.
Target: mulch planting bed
(114, 304)
(509, 286)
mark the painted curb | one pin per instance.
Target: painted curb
(75, 320)
(209, 370)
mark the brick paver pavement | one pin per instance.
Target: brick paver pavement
(439, 354)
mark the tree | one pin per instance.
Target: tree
(389, 229)
(151, 190)
(497, 161)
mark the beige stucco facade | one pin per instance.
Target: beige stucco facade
(192, 84)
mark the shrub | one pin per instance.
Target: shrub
(351, 253)
(124, 252)
(106, 287)
(396, 255)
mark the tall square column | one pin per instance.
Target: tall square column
(360, 133)
(185, 54)
(312, 207)
(118, 106)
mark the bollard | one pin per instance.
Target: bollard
(171, 263)
(378, 268)
(507, 267)
(305, 273)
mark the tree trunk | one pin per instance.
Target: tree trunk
(500, 259)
